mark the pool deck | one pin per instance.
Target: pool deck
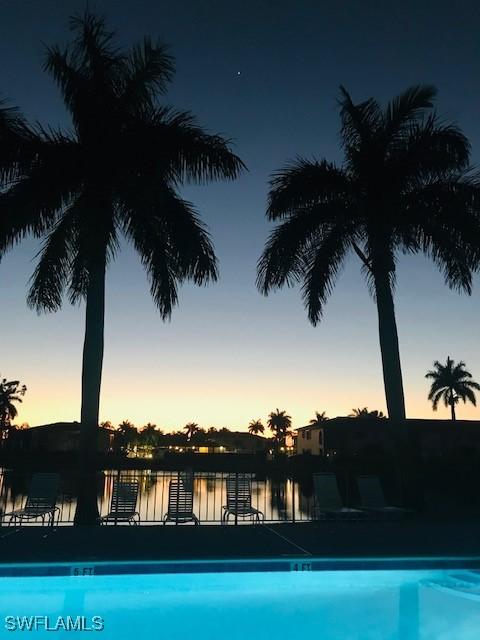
(164, 543)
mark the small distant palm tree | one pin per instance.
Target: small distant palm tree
(451, 382)
(150, 435)
(365, 413)
(10, 392)
(106, 424)
(255, 427)
(191, 428)
(319, 419)
(128, 434)
(279, 424)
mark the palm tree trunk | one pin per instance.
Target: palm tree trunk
(87, 506)
(404, 449)
(387, 328)
(452, 406)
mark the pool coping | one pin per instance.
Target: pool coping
(232, 565)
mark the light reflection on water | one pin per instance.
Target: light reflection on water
(280, 499)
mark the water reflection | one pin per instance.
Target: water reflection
(279, 498)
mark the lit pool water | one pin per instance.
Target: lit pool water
(316, 605)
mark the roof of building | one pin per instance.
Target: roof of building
(61, 426)
(419, 423)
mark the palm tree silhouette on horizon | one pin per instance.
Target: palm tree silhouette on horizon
(402, 186)
(319, 419)
(255, 427)
(451, 382)
(117, 172)
(363, 412)
(11, 392)
(191, 428)
(279, 424)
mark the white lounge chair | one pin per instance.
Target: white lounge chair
(41, 500)
(328, 502)
(372, 497)
(239, 499)
(123, 504)
(180, 504)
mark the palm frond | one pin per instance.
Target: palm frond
(53, 269)
(149, 68)
(441, 220)
(426, 149)
(176, 145)
(305, 183)
(406, 108)
(324, 262)
(172, 243)
(359, 121)
(90, 250)
(152, 202)
(286, 253)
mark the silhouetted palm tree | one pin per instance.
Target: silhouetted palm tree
(128, 434)
(116, 173)
(10, 392)
(365, 413)
(401, 187)
(319, 419)
(191, 428)
(279, 424)
(150, 436)
(255, 427)
(451, 382)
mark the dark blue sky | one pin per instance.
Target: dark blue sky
(230, 355)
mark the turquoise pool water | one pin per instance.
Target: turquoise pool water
(310, 605)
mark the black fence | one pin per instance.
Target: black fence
(277, 499)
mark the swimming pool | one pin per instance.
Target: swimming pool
(239, 600)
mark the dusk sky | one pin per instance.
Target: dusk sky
(266, 74)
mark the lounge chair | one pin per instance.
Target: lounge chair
(328, 502)
(372, 498)
(123, 503)
(41, 500)
(239, 499)
(180, 504)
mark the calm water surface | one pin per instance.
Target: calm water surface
(279, 499)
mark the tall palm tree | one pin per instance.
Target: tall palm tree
(402, 187)
(279, 424)
(451, 382)
(319, 419)
(255, 427)
(191, 428)
(11, 391)
(365, 413)
(115, 173)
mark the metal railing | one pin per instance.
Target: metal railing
(280, 500)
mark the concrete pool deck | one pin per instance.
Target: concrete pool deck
(210, 542)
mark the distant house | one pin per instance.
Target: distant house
(217, 442)
(369, 436)
(59, 437)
